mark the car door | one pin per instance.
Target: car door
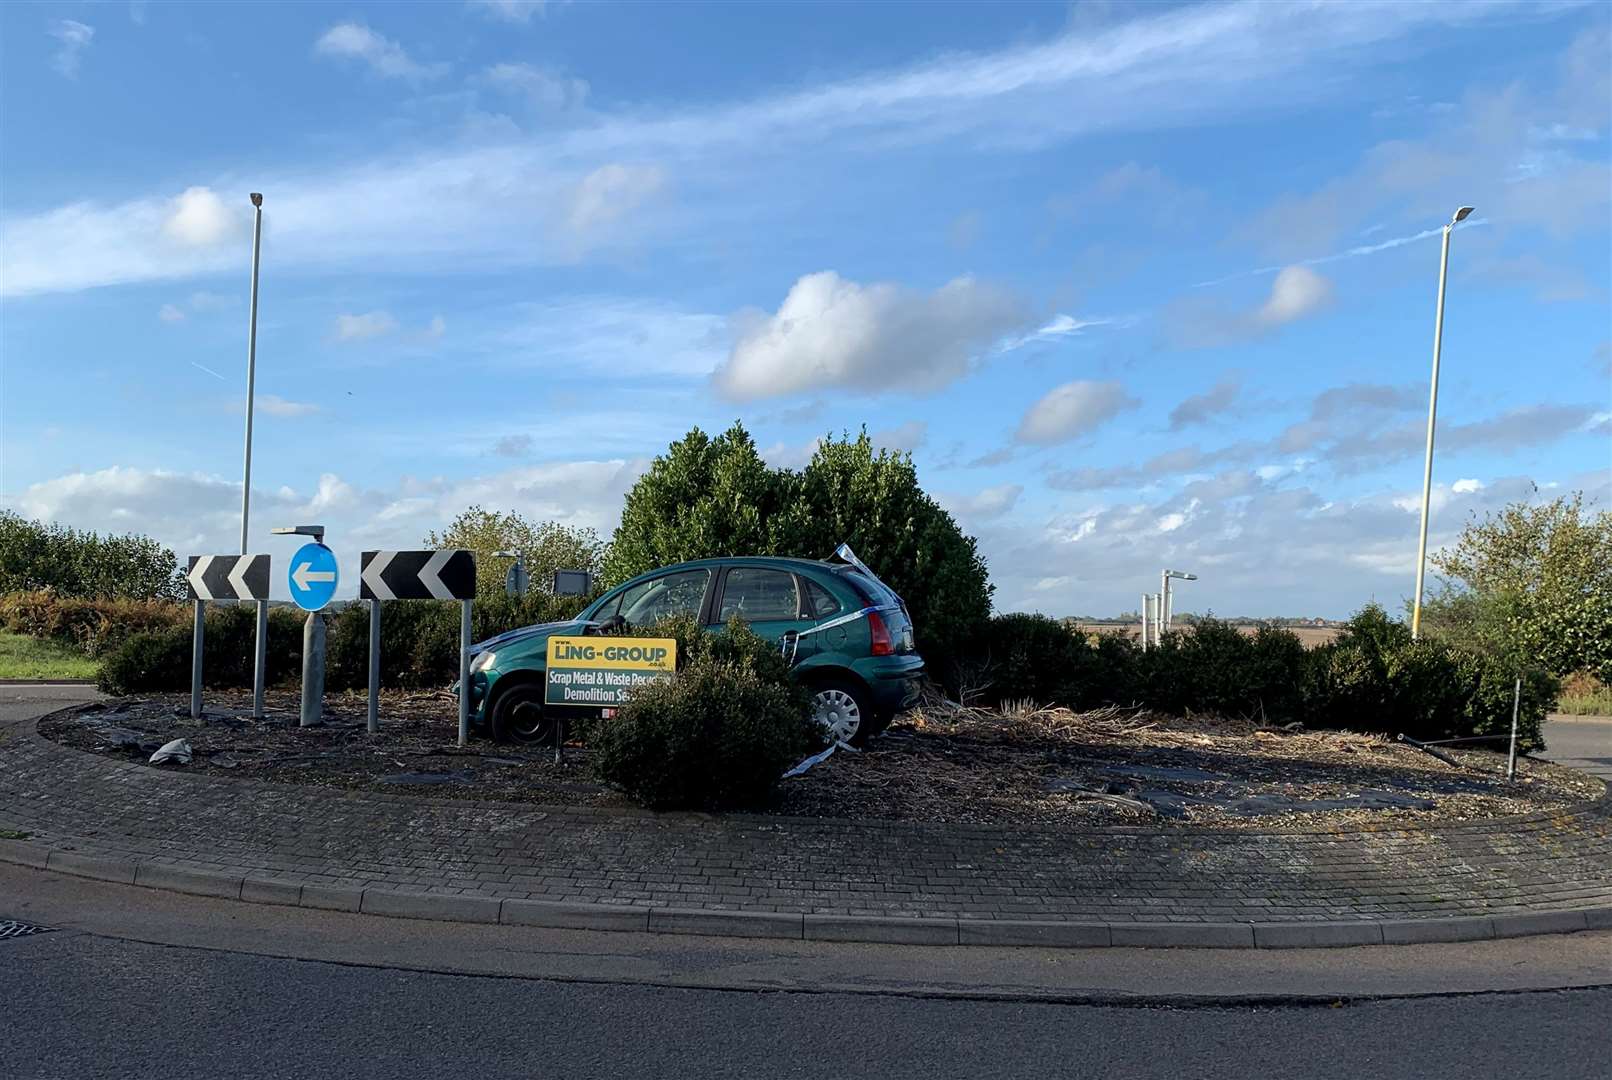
(769, 599)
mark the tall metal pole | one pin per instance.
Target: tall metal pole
(1144, 622)
(1432, 416)
(1164, 602)
(260, 661)
(197, 649)
(464, 671)
(1516, 706)
(251, 365)
(374, 721)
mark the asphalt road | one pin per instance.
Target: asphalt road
(1583, 742)
(79, 1006)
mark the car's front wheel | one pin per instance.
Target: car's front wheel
(842, 709)
(518, 715)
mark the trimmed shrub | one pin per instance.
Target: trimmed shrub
(159, 661)
(718, 735)
(91, 627)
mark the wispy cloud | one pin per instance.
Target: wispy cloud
(1356, 252)
(72, 38)
(516, 201)
(383, 56)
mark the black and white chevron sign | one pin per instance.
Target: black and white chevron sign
(417, 575)
(228, 577)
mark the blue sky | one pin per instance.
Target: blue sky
(1138, 285)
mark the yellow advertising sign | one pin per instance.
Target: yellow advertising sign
(618, 653)
(602, 671)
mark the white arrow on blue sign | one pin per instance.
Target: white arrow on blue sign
(313, 576)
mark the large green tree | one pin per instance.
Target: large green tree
(544, 547)
(1531, 583)
(710, 497)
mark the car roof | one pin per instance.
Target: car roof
(779, 561)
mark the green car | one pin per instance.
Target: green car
(849, 637)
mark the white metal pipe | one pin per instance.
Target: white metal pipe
(251, 366)
(1432, 417)
(1144, 622)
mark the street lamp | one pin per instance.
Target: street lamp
(1432, 414)
(1165, 610)
(251, 365)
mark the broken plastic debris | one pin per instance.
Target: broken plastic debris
(177, 751)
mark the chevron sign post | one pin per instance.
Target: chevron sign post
(227, 577)
(418, 575)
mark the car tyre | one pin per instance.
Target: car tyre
(519, 716)
(843, 709)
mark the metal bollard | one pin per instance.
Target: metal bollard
(313, 670)
(260, 662)
(374, 666)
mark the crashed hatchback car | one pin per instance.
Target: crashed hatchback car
(848, 635)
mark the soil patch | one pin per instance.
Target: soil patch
(1032, 767)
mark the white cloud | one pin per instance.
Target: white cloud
(385, 57)
(1072, 410)
(1059, 326)
(1201, 408)
(74, 37)
(436, 327)
(516, 11)
(610, 191)
(199, 218)
(908, 436)
(170, 314)
(275, 405)
(508, 199)
(1297, 292)
(541, 88)
(1466, 487)
(984, 504)
(198, 513)
(830, 332)
(371, 324)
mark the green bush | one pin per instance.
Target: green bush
(718, 735)
(1030, 657)
(85, 565)
(158, 661)
(90, 627)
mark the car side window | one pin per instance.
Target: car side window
(650, 601)
(820, 600)
(757, 595)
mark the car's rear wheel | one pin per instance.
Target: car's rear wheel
(842, 708)
(518, 716)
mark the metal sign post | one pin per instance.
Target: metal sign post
(464, 670)
(312, 580)
(418, 575)
(374, 722)
(1516, 706)
(227, 577)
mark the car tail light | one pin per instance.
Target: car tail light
(880, 634)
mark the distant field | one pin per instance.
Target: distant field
(1310, 636)
(28, 658)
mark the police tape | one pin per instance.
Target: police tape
(843, 619)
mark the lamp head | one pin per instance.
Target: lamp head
(1461, 215)
(257, 198)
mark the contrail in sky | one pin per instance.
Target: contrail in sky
(209, 371)
(1352, 253)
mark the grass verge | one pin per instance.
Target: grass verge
(29, 658)
(1589, 703)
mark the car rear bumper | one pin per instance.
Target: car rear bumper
(895, 681)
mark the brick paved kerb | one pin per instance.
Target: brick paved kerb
(756, 875)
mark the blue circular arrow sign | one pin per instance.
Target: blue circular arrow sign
(313, 576)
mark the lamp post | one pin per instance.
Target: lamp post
(1432, 414)
(251, 365)
(1166, 607)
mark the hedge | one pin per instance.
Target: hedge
(419, 644)
(91, 627)
(1374, 678)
